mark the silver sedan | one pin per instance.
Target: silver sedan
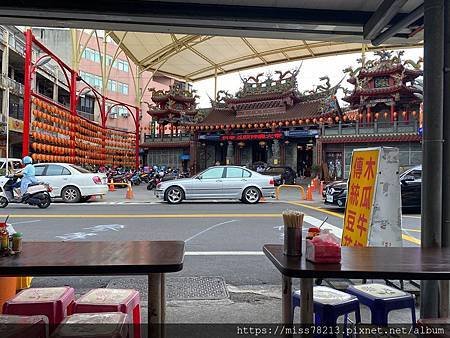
(219, 182)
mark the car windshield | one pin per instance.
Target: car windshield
(80, 169)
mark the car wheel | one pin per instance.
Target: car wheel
(3, 202)
(174, 195)
(251, 195)
(71, 194)
(46, 201)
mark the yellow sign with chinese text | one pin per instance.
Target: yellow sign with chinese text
(360, 197)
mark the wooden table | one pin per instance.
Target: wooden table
(358, 263)
(152, 258)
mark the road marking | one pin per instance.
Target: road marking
(25, 222)
(275, 215)
(207, 229)
(412, 230)
(404, 236)
(332, 213)
(411, 239)
(410, 216)
(224, 253)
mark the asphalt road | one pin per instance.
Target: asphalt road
(222, 238)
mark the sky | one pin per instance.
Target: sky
(308, 77)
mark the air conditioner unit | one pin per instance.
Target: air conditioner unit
(113, 116)
(125, 114)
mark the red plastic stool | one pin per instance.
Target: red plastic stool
(98, 325)
(112, 300)
(12, 326)
(55, 303)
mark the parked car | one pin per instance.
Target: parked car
(336, 193)
(410, 184)
(218, 182)
(281, 174)
(70, 182)
(14, 165)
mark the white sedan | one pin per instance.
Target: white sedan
(70, 182)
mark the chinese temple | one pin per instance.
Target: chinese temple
(170, 109)
(267, 121)
(384, 111)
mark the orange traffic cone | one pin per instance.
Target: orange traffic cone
(111, 186)
(312, 185)
(309, 193)
(129, 195)
(321, 188)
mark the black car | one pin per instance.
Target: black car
(411, 185)
(281, 174)
(335, 193)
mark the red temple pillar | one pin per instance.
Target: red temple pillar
(136, 124)
(392, 113)
(368, 115)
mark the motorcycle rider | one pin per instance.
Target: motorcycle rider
(28, 175)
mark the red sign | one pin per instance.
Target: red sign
(249, 137)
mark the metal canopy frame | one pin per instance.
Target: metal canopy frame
(309, 29)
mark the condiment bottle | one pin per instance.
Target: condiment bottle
(4, 237)
(17, 242)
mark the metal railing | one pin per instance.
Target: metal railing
(16, 87)
(361, 128)
(182, 137)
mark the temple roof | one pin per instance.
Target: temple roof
(301, 110)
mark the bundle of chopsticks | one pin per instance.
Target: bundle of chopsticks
(293, 218)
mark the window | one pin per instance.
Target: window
(80, 169)
(54, 170)
(213, 173)
(247, 173)
(416, 173)
(235, 173)
(39, 170)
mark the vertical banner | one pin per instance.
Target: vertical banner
(373, 209)
(360, 196)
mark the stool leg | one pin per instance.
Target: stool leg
(137, 321)
(413, 314)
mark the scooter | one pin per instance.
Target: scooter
(37, 194)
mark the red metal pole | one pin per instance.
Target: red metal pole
(73, 108)
(136, 122)
(27, 93)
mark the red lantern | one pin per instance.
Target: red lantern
(314, 120)
(294, 122)
(385, 114)
(414, 113)
(267, 125)
(274, 124)
(404, 114)
(261, 125)
(238, 126)
(280, 123)
(321, 120)
(232, 126)
(286, 123)
(336, 118)
(395, 114)
(300, 121)
(307, 121)
(330, 120)
(377, 115)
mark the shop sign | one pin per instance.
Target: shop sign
(372, 213)
(301, 133)
(15, 125)
(250, 137)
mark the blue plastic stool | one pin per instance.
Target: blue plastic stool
(329, 305)
(381, 299)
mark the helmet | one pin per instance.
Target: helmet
(27, 160)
